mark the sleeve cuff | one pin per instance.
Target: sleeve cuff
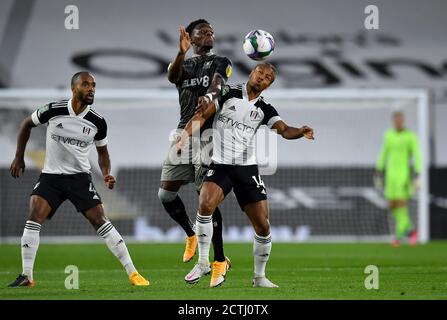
(216, 104)
(273, 120)
(101, 143)
(35, 118)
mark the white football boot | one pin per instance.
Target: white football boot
(263, 282)
(197, 272)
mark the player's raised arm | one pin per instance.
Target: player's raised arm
(220, 77)
(18, 164)
(290, 133)
(175, 69)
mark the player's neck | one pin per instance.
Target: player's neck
(78, 106)
(252, 94)
(202, 51)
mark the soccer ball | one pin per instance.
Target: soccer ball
(258, 44)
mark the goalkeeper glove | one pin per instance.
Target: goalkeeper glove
(378, 181)
(416, 183)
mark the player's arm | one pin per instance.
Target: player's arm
(175, 69)
(380, 165)
(195, 123)
(290, 133)
(273, 121)
(220, 77)
(103, 154)
(105, 166)
(417, 161)
(18, 164)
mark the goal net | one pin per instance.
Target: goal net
(319, 190)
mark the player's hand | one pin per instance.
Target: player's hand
(416, 183)
(185, 40)
(308, 132)
(202, 104)
(17, 167)
(378, 181)
(109, 181)
(179, 145)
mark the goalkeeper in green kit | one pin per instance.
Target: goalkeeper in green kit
(400, 146)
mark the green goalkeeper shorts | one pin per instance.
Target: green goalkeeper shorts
(398, 189)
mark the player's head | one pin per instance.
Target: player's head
(201, 33)
(262, 76)
(83, 87)
(399, 120)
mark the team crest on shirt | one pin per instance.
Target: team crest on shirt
(86, 130)
(209, 173)
(254, 115)
(43, 109)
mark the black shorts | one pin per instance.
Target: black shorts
(78, 188)
(246, 181)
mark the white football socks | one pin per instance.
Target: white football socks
(262, 246)
(204, 232)
(116, 244)
(30, 243)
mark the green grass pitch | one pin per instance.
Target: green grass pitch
(303, 271)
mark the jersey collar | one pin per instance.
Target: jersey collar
(73, 114)
(209, 53)
(245, 94)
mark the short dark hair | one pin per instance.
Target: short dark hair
(271, 66)
(194, 24)
(77, 75)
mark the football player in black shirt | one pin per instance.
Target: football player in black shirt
(198, 80)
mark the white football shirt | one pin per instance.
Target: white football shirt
(235, 125)
(69, 137)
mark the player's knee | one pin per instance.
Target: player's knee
(263, 228)
(39, 211)
(97, 222)
(166, 196)
(206, 207)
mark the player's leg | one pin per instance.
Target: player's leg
(404, 225)
(83, 195)
(39, 211)
(252, 198)
(174, 173)
(45, 199)
(211, 195)
(174, 206)
(115, 242)
(217, 239)
(258, 213)
(397, 192)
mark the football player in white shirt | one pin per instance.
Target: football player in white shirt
(72, 129)
(239, 112)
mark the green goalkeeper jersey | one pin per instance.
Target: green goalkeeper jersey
(399, 148)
